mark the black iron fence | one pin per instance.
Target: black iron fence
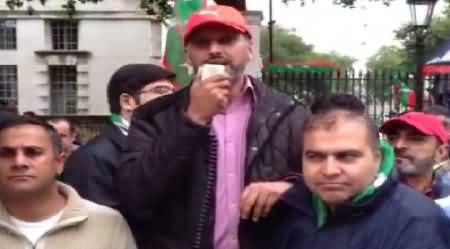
(385, 93)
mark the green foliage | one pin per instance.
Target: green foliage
(341, 60)
(286, 45)
(289, 47)
(402, 58)
(161, 9)
(390, 58)
(164, 8)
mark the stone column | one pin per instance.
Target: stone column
(254, 19)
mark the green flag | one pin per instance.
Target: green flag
(174, 57)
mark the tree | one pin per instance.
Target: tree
(164, 8)
(289, 47)
(159, 8)
(286, 47)
(390, 58)
(403, 58)
(343, 61)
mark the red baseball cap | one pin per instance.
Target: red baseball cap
(427, 124)
(217, 14)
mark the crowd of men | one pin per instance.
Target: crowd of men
(225, 163)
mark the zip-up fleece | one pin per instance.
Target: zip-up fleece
(83, 225)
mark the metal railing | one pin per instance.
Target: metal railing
(385, 93)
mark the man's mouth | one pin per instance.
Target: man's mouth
(20, 177)
(331, 186)
(400, 160)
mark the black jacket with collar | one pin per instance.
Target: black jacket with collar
(92, 168)
(167, 187)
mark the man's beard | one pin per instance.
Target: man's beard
(234, 72)
(420, 167)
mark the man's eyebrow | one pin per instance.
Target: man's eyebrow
(8, 147)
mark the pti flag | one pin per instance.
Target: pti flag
(174, 56)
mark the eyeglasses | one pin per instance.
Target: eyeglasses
(157, 90)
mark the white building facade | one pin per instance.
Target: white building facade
(53, 65)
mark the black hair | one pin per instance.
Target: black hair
(338, 102)
(325, 110)
(72, 126)
(30, 114)
(52, 133)
(130, 79)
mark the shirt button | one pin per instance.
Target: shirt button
(254, 148)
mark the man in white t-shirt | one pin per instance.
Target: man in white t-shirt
(36, 211)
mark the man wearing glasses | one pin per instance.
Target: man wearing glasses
(91, 169)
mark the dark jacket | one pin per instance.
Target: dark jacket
(167, 179)
(91, 169)
(441, 182)
(397, 218)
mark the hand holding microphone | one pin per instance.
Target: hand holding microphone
(209, 94)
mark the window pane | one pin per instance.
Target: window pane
(64, 34)
(63, 90)
(8, 38)
(8, 84)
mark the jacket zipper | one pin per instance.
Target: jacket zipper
(207, 199)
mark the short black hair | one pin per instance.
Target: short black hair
(30, 114)
(52, 133)
(338, 102)
(72, 126)
(130, 79)
(323, 111)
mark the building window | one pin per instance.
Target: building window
(63, 90)
(64, 34)
(8, 85)
(8, 38)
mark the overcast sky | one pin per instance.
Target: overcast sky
(357, 32)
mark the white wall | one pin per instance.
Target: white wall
(254, 19)
(30, 37)
(114, 33)
(113, 43)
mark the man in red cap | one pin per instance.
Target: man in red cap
(217, 151)
(421, 145)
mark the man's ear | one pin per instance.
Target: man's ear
(442, 153)
(250, 51)
(127, 102)
(60, 158)
(378, 156)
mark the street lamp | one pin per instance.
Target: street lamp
(271, 29)
(421, 13)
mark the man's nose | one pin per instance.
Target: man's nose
(398, 143)
(330, 168)
(20, 159)
(215, 48)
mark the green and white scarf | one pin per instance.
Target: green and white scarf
(386, 169)
(121, 123)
